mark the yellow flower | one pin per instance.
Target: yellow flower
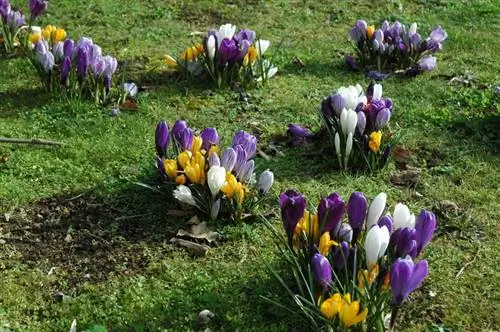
(251, 56)
(199, 48)
(325, 243)
(170, 166)
(232, 187)
(197, 142)
(184, 159)
(48, 31)
(386, 282)
(192, 52)
(169, 61)
(58, 35)
(330, 307)
(309, 224)
(369, 31)
(364, 276)
(180, 179)
(374, 143)
(349, 314)
(34, 37)
(193, 172)
(213, 149)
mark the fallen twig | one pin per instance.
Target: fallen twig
(467, 264)
(34, 141)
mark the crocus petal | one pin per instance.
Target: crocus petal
(376, 209)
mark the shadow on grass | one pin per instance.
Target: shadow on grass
(13, 101)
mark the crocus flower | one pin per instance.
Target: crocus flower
(376, 208)
(37, 7)
(241, 158)
(68, 47)
(351, 62)
(184, 195)
(361, 123)
(330, 212)
(211, 47)
(245, 173)
(427, 63)
(322, 271)
(425, 226)
(58, 52)
(293, 206)
(46, 60)
(213, 160)
(245, 34)
(345, 233)
(266, 181)
(406, 277)
(341, 256)
(326, 243)
(403, 240)
(228, 159)
(378, 41)
(356, 211)
(4, 9)
(348, 121)
(352, 95)
(331, 306)
(187, 137)
(210, 137)
(161, 138)
(177, 130)
(385, 221)
(247, 141)
(436, 39)
(402, 217)
(382, 118)
(98, 66)
(299, 131)
(349, 314)
(14, 20)
(226, 31)
(261, 46)
(216, 177)
(82, 63)
(228, 51)
(376, 242)
(65, 69)
(130, 89)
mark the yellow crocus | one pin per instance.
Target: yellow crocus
(308, 224)
(199, 48)
(48, 31)
(180, 179)
(34, 37)
(196, 145)
(170, 61)
(213, 149)
(330, 307)
(170, 166)
(364, 276)
(232, 187)
(59, 35)
(325, 243)
(184, 159)
(193, 173)
(349, 314)
(375, 139)
(369, 31)
(191, 53)
(251, 56)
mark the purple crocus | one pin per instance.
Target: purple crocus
(351, 62)
(404, 243)
(228, 51)
(436, 39)
(345, 233)
(209, 137)
(177, 130)
(247, 141)
(383, 117)
(356, 212)
(14, 20)
(298, 131)
(161, 138)
(427, 63)
(65, 69)
(187, 137)
(425, 225)
(361, 124)
(340, 256)
(241, 157)
(98, 66)
(245, 172)
(406, 277)
(293, 206)
(228, 159)
(82, 63)
(213, 160)
(322, 271)
(68, 47)
(37, 7)
(245, 34)
(330, 212)
(385, 221)
(4, 9)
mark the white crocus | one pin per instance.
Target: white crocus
(348, 148)
(413, 29)
(271, 70)
(130, 89)
(348, 121)
(352, 95)
(337, 147)
(216, 177)
(377, 91)
(184, 195)
(376, 242)
(226, 31)
(402, 217)
(73, 326)
(376, 209)
(266, 181)
(211, 47)
(261, 46)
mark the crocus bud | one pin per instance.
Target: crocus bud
(228, 51)
(403, 240)
(298, 131)
(261, 46)
(214, 160)
(330, 212)
(376, 209)
(226, 31)
(385, 221)
(37, 7)
(228, 159)
(427, 63)
(345, 233)
(161, 138)
(337, 145)
(348, 148)
(362, 26)
(361, 124)
(322, 271)
(406, 277)
(293, 206)
(211, 47)
(338, 103)
(341, 256)
(184, 195)
(245, 173)
(377, 91)
(247, 141)
(216, 177)
(356, 211)
(177, 130)
(187, 137)
(130, 89)
(65, 69)
(402, 217)
(68, 47)
(82, 63)
(348, 121)
(376, 242)
(241, 158)
(266, 181)
(210, 137)
(46, 60)
(382, 119)
(425, 226)
(58, 52)
(413, 29)
(214, 211)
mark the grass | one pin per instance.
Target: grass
(122, 273)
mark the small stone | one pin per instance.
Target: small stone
(205, 316)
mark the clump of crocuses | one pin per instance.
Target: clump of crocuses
(358, 127)
(393, 47)
(353, 262)
(219, 183)
(226, 56)
(14, 26)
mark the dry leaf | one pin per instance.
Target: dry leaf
(129, 105)
(199, 231)
(193, 247)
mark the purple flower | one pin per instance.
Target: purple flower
(388, 103)
(161, 138)
(345, 233)
(228, 51)
(46, 60)
(177, 130)
(209, 137)
(65, 69)
(228, 159)
(247, 141)
(187, 137)
(376, 75)
(385, 221)
(213, 160)
(111, 65)
(241, 157)
(406, 277)
(98, 66)
(351, 62)
(361, 124)
(298, 131)
(338, 103)
(403, 241)
(14, 20)
(68, 47)
(293, 206)
(356, 212)
(37, 7)
(4, 9)
(382, 118)
(330, 212)
(415, 41)
(245, 172)
(427, 63)
(340, 256)
(245, 34)
(322, 271)
(82, 63)
(425, 225)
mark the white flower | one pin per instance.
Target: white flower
(184, 195)
(226, 31)
(271, 70)
(261, 46)
(348, 121)
(352, 95)
(214, 212)
(216, 177)
(337, 144)
(73, 326)
(130, 89)
(402, 217)
(348, 148)
(413, 29)
(266, 181)
(377, 91)
(211, 47)
(375, 210)
(376, 242)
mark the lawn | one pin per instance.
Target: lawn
(81, 240)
